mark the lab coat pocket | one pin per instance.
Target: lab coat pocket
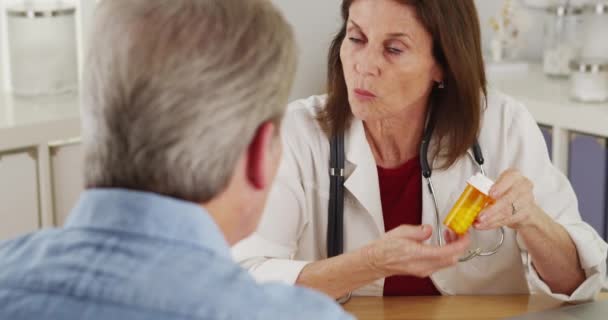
(500, 273)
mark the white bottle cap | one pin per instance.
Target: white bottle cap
(481, 183)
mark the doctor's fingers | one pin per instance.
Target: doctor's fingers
(422, 261)
(522, 188)
(452, 249)
(406, 250)
(441, 258)
(450, 236)
(505, 182)
(508, 210)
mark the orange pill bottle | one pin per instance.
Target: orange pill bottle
(473, 199)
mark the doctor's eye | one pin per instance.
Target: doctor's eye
(355, 40)
(394, 51)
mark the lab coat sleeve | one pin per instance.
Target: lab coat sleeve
(555, 196)
(268, 253)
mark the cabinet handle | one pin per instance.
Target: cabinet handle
(55, 145)
(65, 142)
(33, 154)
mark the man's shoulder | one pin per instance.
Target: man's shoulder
(146, 275)
(20, 249)
(224, 287)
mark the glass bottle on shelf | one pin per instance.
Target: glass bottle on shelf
(42, 47)
(562, 43)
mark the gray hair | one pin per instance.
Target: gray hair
(175, 90)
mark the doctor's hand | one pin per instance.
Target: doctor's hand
(514, 205)
(401, 251)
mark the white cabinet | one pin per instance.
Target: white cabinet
(39, 187)
(67, 178)
(26, 184)
(19, 208)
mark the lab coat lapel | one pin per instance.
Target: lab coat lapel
(363, 183)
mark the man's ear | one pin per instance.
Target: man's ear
(261, 157)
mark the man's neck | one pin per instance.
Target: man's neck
(220, 213)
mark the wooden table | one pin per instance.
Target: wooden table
(449, 307)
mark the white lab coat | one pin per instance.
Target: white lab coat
(292, 231)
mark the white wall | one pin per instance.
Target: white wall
(315, 22)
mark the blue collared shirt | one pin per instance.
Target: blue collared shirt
(134, 255)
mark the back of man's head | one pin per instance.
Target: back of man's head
(176, 90)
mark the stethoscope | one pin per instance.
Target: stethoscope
(477, 157)
(335, 221)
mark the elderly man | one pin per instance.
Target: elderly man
(182, 106)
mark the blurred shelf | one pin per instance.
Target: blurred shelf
(29, 121)
(549, 100)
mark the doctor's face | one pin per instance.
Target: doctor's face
(387, 57)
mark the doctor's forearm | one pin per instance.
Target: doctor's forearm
(553, 254)
(339, 275)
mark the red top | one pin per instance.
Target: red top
(401, 194)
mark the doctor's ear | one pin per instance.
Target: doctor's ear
(263, 155)
(437, 74)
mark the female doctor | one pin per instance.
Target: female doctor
(396, 68)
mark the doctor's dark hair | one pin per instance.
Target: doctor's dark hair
(456, 36)
(174, 91)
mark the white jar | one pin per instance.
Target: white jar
(562, 43)
(42, 48)
(539, 3)
(589, 80)
(581, 3)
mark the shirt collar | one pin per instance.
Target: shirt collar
(148, 214)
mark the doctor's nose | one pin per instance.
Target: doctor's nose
(368, 64)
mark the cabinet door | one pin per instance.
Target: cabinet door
(67, 176)
(19, 210)
(587, 172)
